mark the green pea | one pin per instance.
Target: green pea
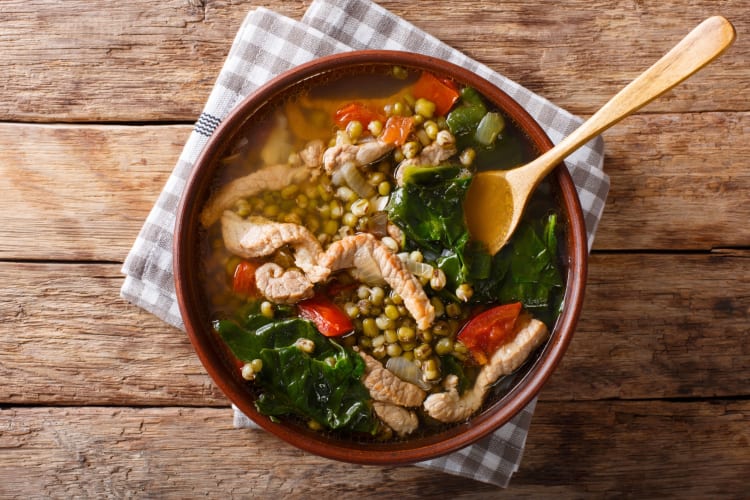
(423, 351)
(444, 346)
(391, 311)
(375, 127)
(391, 336)
(370, 328)
(330, 227)
(354, 129)
(406, 334)
(289, 191)
(377, 296)
(267, 309)
(424, 107)
(271, 211)
(349, 219)
(394, 350)
(302, 200)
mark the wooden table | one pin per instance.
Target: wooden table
(99, 398)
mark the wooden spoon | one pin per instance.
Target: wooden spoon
(504, 193)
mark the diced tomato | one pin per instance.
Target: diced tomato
(440, 91)
(486, 332)
(243, 280)
(327, 317)
(356, 111)
(397, 130)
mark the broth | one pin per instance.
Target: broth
(387, 203)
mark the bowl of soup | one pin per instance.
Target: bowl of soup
(326, 276)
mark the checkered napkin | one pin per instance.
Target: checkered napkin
(268, 44)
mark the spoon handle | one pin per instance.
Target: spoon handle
(701, 46)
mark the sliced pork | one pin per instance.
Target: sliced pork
(269, 178)
(449, 406)
(386, 387)
(259, 237)
(287, 286)
(364, 249)
(399, 419)
(359, 154)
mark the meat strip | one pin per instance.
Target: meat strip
(351, 250)
(358, 154)
(287, 286)
(260, 237)
(401, 420)
(268, 178)
(386, 387)
(449, 406)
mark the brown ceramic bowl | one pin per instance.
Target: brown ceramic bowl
(523, 386)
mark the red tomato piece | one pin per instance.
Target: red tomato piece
(486, 332)
(327, 317)
(243, 280)
(440, 91)
(355, 111)
(397, 130)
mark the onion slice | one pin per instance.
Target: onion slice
(407, 371)
(349, 174)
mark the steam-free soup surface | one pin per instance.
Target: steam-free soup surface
(339, 269)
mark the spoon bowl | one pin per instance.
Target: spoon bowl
(508, 191)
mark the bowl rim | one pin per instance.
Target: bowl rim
(400, 452)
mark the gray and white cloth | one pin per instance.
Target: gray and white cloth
(268, 44)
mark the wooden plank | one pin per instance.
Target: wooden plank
(696, 450)
(158, 61)
(103, 180)
(641, 449)
(652, 326)
(660, 326)
(689, 193)
(67, 338)
(677, 182)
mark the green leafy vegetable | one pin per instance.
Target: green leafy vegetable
(465, 118)
(429, 210)
(324, 385)
(526, 270)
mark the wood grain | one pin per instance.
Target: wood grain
(158, 61)
(104, 180)
(666, 335)
(101, 399)
(82, 190)
(581, 450)
(66, 330)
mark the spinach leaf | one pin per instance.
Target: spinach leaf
(431, 213)
(428, 208)
(324, 385)
(526, 270)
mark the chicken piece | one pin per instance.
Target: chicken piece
(260, 237)
(312, 154)
(401, 420)
(449, 406)
(386, 387)
(359, 154)
(268, 178)
(286, 286)
(360, 248)
(442, 148)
